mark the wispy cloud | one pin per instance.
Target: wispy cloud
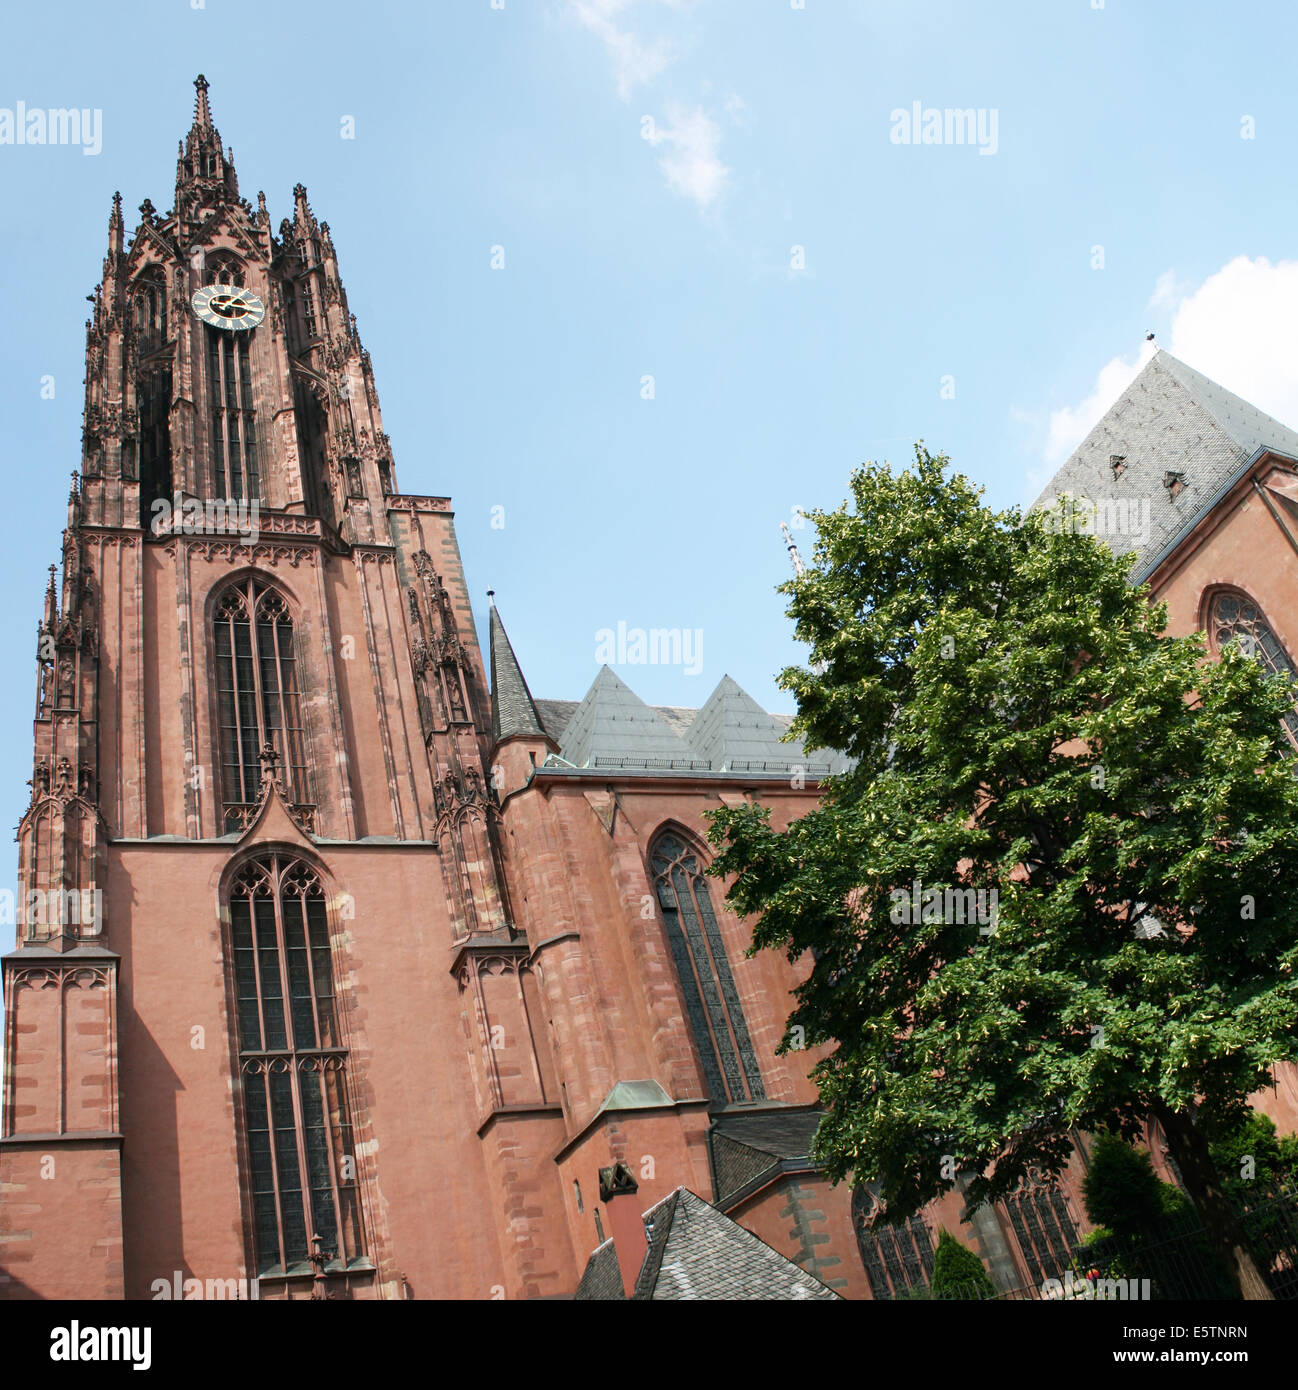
(687, 138)
(692, 162)
(636, 62)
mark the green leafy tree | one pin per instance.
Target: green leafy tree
(958, 1272)
(1021, 723)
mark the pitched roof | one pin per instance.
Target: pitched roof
(1171, 424)
(750, 1148)
(556, 715)
(613, 725)
(731, 732)
(697, 1253)
(734, 733)
(513, 710)
(602, 1279)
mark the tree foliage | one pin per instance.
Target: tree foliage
(1022, 724)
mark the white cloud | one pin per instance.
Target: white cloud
(1236, 327)
(692, 165)
(636, 62)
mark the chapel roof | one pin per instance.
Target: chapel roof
(1167, 447)
(698, 1253)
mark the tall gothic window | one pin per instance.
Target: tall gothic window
(293, 1068)
(711, 1001)
(1046, 1231)
(1234, 618)
(234, 429)
(153, 394)
(896, 1258)
(257, 690)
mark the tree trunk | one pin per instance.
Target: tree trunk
(1190, 1150)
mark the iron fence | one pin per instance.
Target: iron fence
(1180, 1266)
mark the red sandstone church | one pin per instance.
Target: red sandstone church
(370, 981)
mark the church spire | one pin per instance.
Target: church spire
(512, 708)
(204, 173)
(202, 114)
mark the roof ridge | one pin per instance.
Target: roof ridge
(1204, 399)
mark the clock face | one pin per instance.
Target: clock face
(228, 307)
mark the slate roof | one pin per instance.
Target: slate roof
(512, 709)
(748, 1149)
(1171, 420)
(697, 1253)
(613, 724)
(556, 715)
(734, 733)
(602, 1279)
(731, 732)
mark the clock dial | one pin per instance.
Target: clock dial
(228, 307)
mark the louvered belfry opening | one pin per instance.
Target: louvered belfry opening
(712, 1004)
(235, 466)
(293, 1068)
(259, 701)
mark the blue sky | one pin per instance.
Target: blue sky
(1163, 134)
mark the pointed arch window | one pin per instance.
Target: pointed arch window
(896, 1258)
(258, 698)
(293, 1068)
(1232, 617)
(712, 1005)
(1043, 1226)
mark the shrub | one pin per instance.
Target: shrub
(1121, 1189)
(958, 1272)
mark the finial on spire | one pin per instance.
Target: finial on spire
(202, 115)
(491, 594)
(302, 213)
(116, 228)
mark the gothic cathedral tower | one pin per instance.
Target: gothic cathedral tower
(260, 777)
